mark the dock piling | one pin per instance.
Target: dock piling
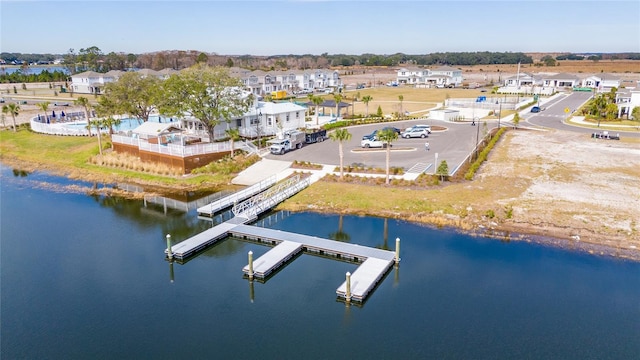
(169, 253)
(250, 265)
(397, 258)
(347, 296)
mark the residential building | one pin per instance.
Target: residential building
(444, 76)
(627, 100)
(601, 82)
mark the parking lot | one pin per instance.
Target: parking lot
(452, 144)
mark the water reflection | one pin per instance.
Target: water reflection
(340, 235)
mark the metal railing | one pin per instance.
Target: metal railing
(251, 208)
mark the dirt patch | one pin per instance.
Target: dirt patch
(569, 186)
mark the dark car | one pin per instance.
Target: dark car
(535, 109)
(369, 136)
(397, 131)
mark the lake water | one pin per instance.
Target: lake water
(33, 69)
(85, 277)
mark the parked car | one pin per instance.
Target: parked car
(372, 142)
(535, 109)
(369, 136)
(423, 126)
(398, 131)
(415, 132)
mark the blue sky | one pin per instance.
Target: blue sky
(317, 26)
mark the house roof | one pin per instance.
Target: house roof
(151, 128)
(88, 74)
(561, 76)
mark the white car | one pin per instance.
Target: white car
(372, 142)
(424, 126)
(415, 132)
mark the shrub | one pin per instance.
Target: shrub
(483, 155)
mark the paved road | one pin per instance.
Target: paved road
(554, 115)
(453, 144)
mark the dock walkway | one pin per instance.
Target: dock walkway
(200, 241)
(236, 197)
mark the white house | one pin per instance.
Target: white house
(627, 100)
(90, 82)
(561, 80)
(601, 82)
(262, 119)
(261, 83)
(439, 77)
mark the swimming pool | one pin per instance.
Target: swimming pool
(79, 128)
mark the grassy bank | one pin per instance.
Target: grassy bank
(77, 157)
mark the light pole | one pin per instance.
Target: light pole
(258, 127)
(499, 115)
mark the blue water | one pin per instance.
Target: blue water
(85, 277)
(125, 124)
(33, 69)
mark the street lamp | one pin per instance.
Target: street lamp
(499, 115)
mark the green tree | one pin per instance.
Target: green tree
(133, 94)
(387, 136)
(234, 135)
(229, 63)
(89, 58)
(106, 108)
(443, 170)
(337, 98)
(635, 113)
(611, 111)
(86, 105)
(340, 135)
(210, 94)
(12, 109)
(401, 98)
(516, 120)
(548, 60)
(44, 106)
(366, 100)
(379, 112)
(317, 100)
(202, 58)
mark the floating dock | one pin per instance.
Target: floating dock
(375, 262)
(200, 241)
(365, 278)
(273, 259)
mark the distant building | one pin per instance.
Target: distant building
(444, 76)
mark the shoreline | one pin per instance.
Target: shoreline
(551, 235)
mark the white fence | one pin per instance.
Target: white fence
(175, 149)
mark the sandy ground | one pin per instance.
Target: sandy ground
(569, 186)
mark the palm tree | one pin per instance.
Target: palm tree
(14, 110)
(338, 99)
(387, 136)
(401, 98)
(98, 123)
(84, 102)
(340, 135)
(234, 135)
(317, 100)
(366, 99)
(44, 106)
